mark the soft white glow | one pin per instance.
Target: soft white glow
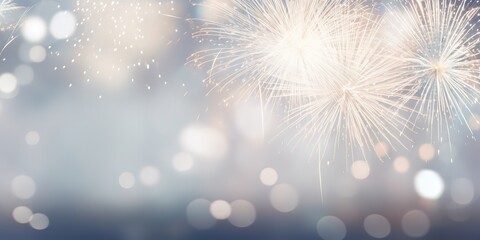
(426, 152)
(37, 54)
(182, 162)
(429, 184)
(205, 142)
(360, 170)
(269, 176)
(22, 214)
(34, 29)
(401, 164)
(32, 138)
(63, 25)
(149, 175)
(8, 83)
(23, 187)
(220, 209)
(284, 198)
(126, 180)
(39, 221)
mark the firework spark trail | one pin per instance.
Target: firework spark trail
(363, 106)
(257, 44)
(442, 39)
(5, 7)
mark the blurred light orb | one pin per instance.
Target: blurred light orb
(426, 152)
(429, 184)
(8, 83)
(243, 213)
(331, 228)
(39, 221)
(205, 142)
(149, 175)
(382, 149)
(23, 187)
(63, 25)
(415, 224)
(24, 74)
(401, 164)
(269, 176)
(32, 138)
(220, 209)
(360, 170)
(198, 214)
(37, 54)
(34, 29)
(377, 226)
(284, 198)
(249, 122)
(462, 191)
(126, 180)
(22, 214)
(182, 162)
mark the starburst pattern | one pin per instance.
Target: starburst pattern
(441, 38)
(363, 105)
(257, 44)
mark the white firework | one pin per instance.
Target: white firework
(441, 38)
(257, 44)
(363, 106)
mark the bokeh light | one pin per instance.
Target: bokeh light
(63, 25)
(126, 180)
(269, 176)
(23, 187)
(149, 175)
(284, 198)
(243, 213)
(401, 164)
(331, 228)
(462, 191)
(220, 209)
(22, 214)
(360, 170)
(39, 221)
(182, 162)
(415, 224)
(429, 184)
(34, 29)
(426, 152)
(377, 226)
(198, 214)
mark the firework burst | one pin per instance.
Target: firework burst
(441, 38)
(258, 44)
(363, 106)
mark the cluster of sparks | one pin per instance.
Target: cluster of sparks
(118, 37)
(345, 83)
